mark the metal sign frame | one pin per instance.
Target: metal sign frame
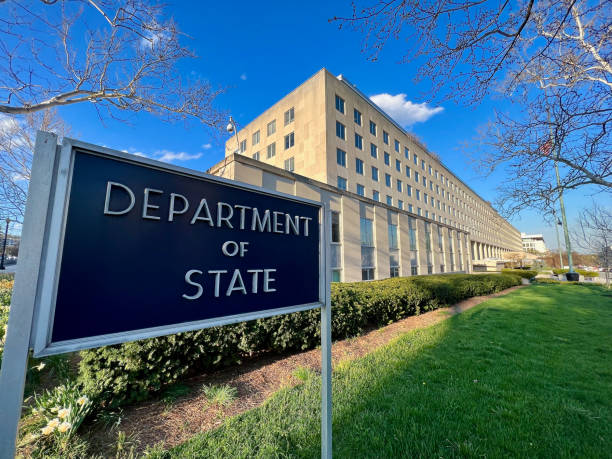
(37, 276)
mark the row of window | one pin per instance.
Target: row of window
(358, 119)
(271, 129)
(271, 149)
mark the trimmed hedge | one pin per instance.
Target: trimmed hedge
(582, 272)
(130, 372)
(524, 273)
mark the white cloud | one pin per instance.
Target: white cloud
(169, 156)
(404, 111)
(20, 177)
(243, 77)
(207, 146)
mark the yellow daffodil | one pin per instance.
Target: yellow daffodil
(64, 426)
(47, 430)
(63, 413)
(53, 423)
(82, 400)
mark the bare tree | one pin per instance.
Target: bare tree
(120, 55)
(17, 138)
(593, 232)
(551, 58)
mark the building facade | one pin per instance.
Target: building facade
(397, 210)
(533, 243)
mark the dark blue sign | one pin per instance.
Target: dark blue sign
(148, 247)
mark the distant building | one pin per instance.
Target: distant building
(396, 209)
(533, 243)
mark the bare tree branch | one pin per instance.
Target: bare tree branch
(125, 60)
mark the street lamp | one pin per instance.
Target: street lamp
(231, 128)
(8, 220)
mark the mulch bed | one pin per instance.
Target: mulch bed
(154, 422)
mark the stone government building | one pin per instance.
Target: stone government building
(396, 209)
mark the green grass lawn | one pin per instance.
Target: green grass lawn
(528, 374)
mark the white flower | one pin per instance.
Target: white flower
(55, 409)
(47, 430)
(40, 366)
(82, 400)
(64, 426)
(63, 413)
(53, 423)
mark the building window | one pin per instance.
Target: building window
(416, 159)
(430, 172)
(424, 181)
(397, 145)
(289, 141)
(441, 268)
(271, 127)
(372, 128)
(408, 171)
(414, 271)
(342, 183)
(386, 137)
(393, 270)
(289, 116)
(243, 146)
(367, 273)
(419, 212)
(255, 138)
(375, 174)
(399, 185)
(387, 158)
(358, 141)
(416, 176)
(406, 153)
(360, 190)
(387, 180)
(400, 204)
(418, 194)
(410, 209)
(408, 190)
(339, 104)
(271, 150)
(389, 200)
(336, 274)
(398, 165)
(422, 164)
(373, 150)
(440, 239)
(412, 233)
(359, 166)
(392, 236)
(256, 155)
(375, 195)
(290, 164)
(425, 198)
(340, 130)
(357, 116)
(335, 227)
(341, 157)
(367, 249)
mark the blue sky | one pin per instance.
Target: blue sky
(260, 52)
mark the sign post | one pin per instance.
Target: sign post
(117, 248)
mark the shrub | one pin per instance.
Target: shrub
(524, 273)
(129, 372)
(582, 272)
